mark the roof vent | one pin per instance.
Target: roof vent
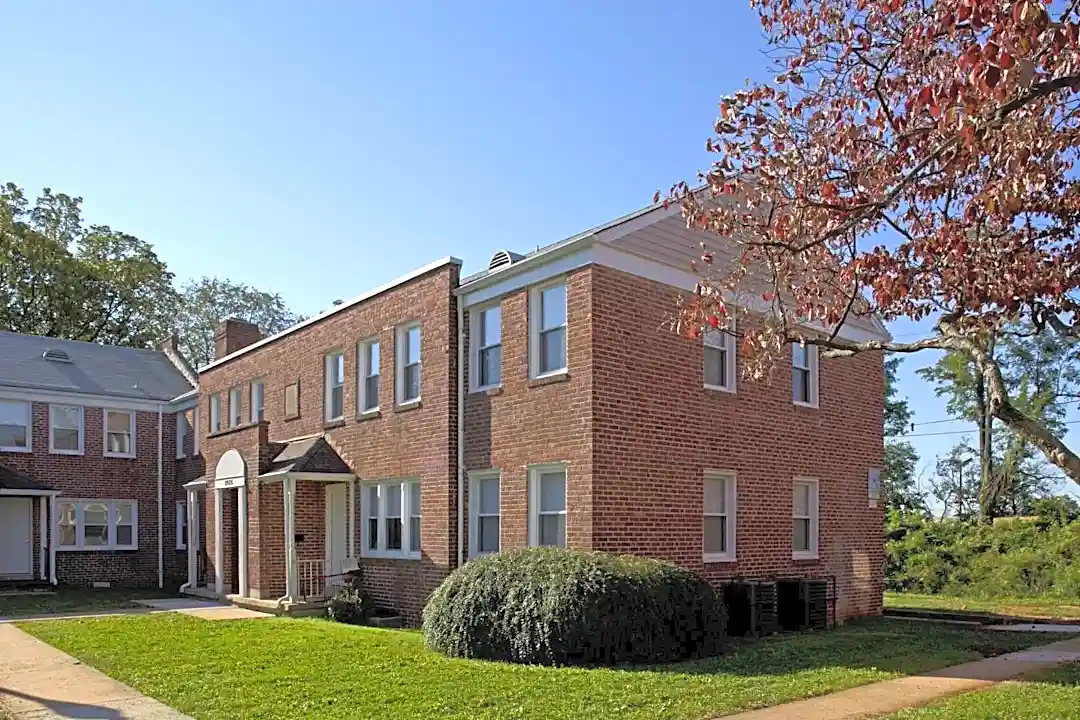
(56, 355)
(503, 258)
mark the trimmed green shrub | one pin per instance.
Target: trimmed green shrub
(552, 606)
(349, 605)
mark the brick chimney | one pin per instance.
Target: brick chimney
(232, 335)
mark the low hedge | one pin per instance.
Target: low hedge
(561, 607)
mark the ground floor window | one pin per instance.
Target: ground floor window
(547, 505)
(97, 525)
(483, 512)
(181, 525)
(391, 512)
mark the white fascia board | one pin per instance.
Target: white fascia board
(408, 277)
(112, 402)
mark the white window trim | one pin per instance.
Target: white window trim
(82, 430)
(181, 514)
(475, 318)
(329, 362)
(29, 427)
(400, 357)
(731, 513)
(363, 372)
(105, 433)
(535, 471)
(80, 539)
(815, 519)
(812, 359)
(182, 430)
(195, 415)
(475, 477)
(215, 413)
(406, 513)
(236, 415)
(261, 384)
(724, 340)
(534, 330)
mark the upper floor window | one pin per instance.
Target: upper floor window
(720, 360)
(804, 374)
(718, 523)
(335, 386)
(804, 519)
(408, 363)
(66, 429)
(181, 434)
(547, 330)
(258, 401)
(215, 413)
(487, 339)
(369, 376)
(484, 512)
(547, 505)
(236, 417)
(14, 426)
(120, 433)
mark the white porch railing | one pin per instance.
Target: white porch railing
(312, 579)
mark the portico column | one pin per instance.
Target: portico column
(242, 565)
(352, 518)
(219, 549)
(193, 533)
(53, 538)
(43, 532)
(292, 570)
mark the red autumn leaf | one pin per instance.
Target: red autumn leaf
(714, 322)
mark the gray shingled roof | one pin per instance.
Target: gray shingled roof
(15, 480)
(94, 369)
(311, 454)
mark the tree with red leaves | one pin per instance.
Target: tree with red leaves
(911, 159)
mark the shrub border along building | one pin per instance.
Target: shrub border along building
(551, 606)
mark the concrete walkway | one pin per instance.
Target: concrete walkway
(38, 682)
(891, 695)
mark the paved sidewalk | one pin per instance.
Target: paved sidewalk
(38, 682)
(891, 695)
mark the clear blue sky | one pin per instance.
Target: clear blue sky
(319, 149)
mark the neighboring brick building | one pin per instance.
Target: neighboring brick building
(547, 390)
(89, 462)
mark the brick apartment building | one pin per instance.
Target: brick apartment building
(539, 402)
(95, 446)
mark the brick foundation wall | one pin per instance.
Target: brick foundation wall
(657, 430)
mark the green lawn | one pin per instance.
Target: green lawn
(1053, 693)
(73, 600)
(1042, 608)
(290, 668)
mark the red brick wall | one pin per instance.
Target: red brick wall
(92, 475)
(528, 422)
(400, 442)
(656, 431)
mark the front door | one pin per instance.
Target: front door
(336, 530)
(16, 553)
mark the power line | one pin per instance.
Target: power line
(954, 432)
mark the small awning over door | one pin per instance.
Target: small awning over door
(13, 482)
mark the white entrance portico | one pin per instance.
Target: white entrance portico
(230, 475)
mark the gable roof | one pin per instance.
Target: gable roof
(93, 369)
(15, 480)
(306, 455)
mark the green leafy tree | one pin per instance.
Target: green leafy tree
(205, 302)
(955, 484)
(61, 278)
(898, 488)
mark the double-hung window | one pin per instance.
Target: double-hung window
(335, 386)
(804, 374)
(97, 524)
(215, 413)
(547, 505)
(66, 429)
(369, 376)
(487, 338)
(804, 519)
(258, 401)
(718, 523)
(14, 426)
(120, 433)
(483, 512)
(236, 417)
(181, 525)
(182, 427)
(720, 360)
(547, 330)
(408, 363)
(391, 512)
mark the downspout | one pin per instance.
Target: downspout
(160, 513)
(460, 432)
